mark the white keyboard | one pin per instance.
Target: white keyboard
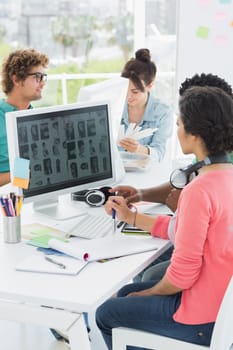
(93, 226)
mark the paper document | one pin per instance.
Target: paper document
(135, 132)
(104, 248)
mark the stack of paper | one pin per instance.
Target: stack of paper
(135, 132)
(79, 252)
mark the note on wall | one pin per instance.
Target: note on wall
(220, 16)
(202, 32)
(221, 40)
(204, 2)
(225, 1)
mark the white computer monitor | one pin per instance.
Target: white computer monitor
(70, 148)
(114, 91)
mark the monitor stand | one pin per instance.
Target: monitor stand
(57, 211)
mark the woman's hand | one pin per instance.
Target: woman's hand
(129, 144)
(123, 212)
(141, 293)
(163, 287)
(130, 193)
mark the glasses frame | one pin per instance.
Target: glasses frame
(39, 76)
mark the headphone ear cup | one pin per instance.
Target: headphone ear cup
(79, 195)
(181, 177)
(106, 193)
(95, 198)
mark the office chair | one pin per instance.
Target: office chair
(222, 337)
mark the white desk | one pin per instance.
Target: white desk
(155, 175)
(58, 301)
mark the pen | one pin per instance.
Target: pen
(114, 220)
(3, 206)
(13, 198)
(19, 203)
(62, 266)
(114, 217)
(6, 206)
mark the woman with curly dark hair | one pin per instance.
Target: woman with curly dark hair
(185, 302)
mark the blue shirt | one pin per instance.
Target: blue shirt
(4, 157)
(157, 115)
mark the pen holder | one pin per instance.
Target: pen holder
(11, 229)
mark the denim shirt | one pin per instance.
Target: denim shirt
(157, 115)
(4, 157)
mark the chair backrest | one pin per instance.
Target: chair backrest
(222, 338)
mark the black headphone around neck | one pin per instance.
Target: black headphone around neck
(181, 177)
(94, 197)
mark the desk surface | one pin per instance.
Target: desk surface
(156, 174)
(83, 292)
(96, 283)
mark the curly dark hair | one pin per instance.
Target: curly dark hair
(140, 68)
(206, 80)
(19, 63)
(208, 112)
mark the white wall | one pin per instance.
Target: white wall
(204, 38)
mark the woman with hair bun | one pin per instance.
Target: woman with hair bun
(143, 109)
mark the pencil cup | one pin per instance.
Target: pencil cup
(11, 229)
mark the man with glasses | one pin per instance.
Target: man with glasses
(23, 79)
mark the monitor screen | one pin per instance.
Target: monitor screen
(70, 148)
(114, 91)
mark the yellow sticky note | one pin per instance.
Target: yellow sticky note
(202, 32)
(22, 183)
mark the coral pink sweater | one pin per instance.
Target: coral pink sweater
(202, 262)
